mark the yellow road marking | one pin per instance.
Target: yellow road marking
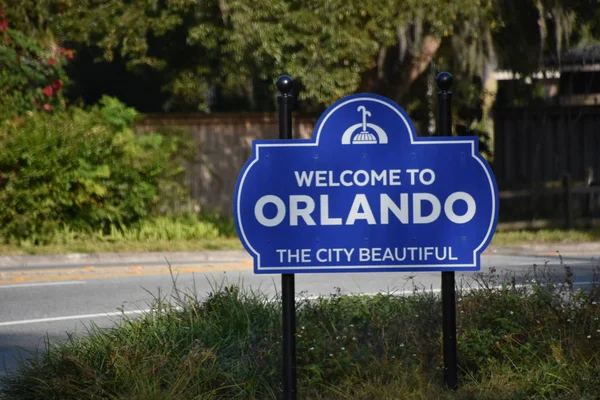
(91, 272)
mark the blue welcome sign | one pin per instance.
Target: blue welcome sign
(365, 194)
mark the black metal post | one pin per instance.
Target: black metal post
(444, 81)
(285, 85)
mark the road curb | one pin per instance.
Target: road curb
(158, 258)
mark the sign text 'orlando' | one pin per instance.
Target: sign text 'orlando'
(365, 194)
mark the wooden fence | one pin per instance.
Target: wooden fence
(533, 146)
(533, 151)
(223, 144)
(576, 205)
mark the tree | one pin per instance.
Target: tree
(229, 49)
(218, 55)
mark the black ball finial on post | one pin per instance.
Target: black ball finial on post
(444, 81)
(285, 84)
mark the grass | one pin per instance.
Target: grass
(94, 245)
(546, 236)
(214, 232)
(514, 342)
(186, 233)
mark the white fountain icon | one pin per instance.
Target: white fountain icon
(364, 136)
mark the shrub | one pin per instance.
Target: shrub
(82, 170)
(32, 74)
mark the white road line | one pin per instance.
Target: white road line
(298, 298)
(21, 285)
(69, 317)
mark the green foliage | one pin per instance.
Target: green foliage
(32, 75)
(541, 332)
(85, 170)
(168, 229)
(190, 56)
(515, 342)
(117, 114)
(154, 234)
(214, 55)
(223, 222)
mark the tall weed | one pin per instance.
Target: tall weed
(535, 340)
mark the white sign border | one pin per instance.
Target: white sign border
(284, 143)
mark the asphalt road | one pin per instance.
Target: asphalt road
(43, 298)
